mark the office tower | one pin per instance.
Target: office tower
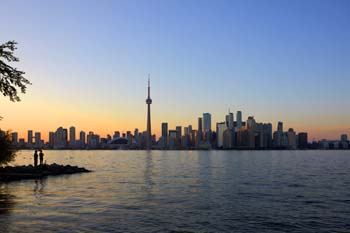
(278, 137)
(302, 141)
(280, 127)
(165, 132)
(82, 137)
(60, 139)
(178, 132)
(65, 137)
(260, 136)
(178, 136)
(172, 139)
(72, 135)
(268, 134)
(200, 124)
(220, 129)
(251, 123)
(206, 122)
(284, 141)
(93, 140)
(51, 139)
(136, 136)
(37, 138)
(129, 137)
(239, 120)
(343, 137)
(291, 139)
(30, 137)
(200, 129)
(190, 128)
(149, 102)
(229, 120)
(116, 135)
(14, 138)
(186, 132)
(185, 139)
(230, 134)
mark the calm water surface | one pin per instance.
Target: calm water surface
(183, 191)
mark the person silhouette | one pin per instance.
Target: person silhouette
(41, 155)
(35, 158)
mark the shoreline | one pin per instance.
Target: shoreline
(25, 172)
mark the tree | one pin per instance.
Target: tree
(11, 79)
(7, 150)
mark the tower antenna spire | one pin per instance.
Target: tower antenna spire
(149, 85)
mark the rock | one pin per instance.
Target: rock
(29, 172)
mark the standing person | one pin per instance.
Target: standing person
(41, 155)
(35, 158)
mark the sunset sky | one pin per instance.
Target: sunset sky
(89, 60)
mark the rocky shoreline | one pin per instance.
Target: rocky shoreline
(30, 172)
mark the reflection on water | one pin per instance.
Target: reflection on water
(183, 191)
(6, 199)
(39, 186)
(7, 204)
(148, 173)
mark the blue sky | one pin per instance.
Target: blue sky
(276, 60)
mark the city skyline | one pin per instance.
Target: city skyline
(283, 61)
(158, 132)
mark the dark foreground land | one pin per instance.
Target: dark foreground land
(30, 172)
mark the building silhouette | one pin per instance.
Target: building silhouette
(239, 120)
(30, 137)
(206, 122)
(72, 136)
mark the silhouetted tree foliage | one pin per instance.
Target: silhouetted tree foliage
(7, 150)
(11, 79)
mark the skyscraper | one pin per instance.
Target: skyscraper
(51, 139)
(302, 140)
(178, 133)
(37, 138)
(231, 130)
(60, 139)
(229, 120)
(200, 129)
(14, 137)
(206, 122)
(30, 137)
(220, 129)
(280, 127)
(149, 102)
(343, 137)
(239, 119)
(72, 135)
(165, 131)
(291, 139)
(82, 138)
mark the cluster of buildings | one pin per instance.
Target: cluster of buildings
(232, 133)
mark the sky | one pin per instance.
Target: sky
(88, 62)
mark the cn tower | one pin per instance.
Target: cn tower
(149, 102)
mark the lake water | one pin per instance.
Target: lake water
(183, 191)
